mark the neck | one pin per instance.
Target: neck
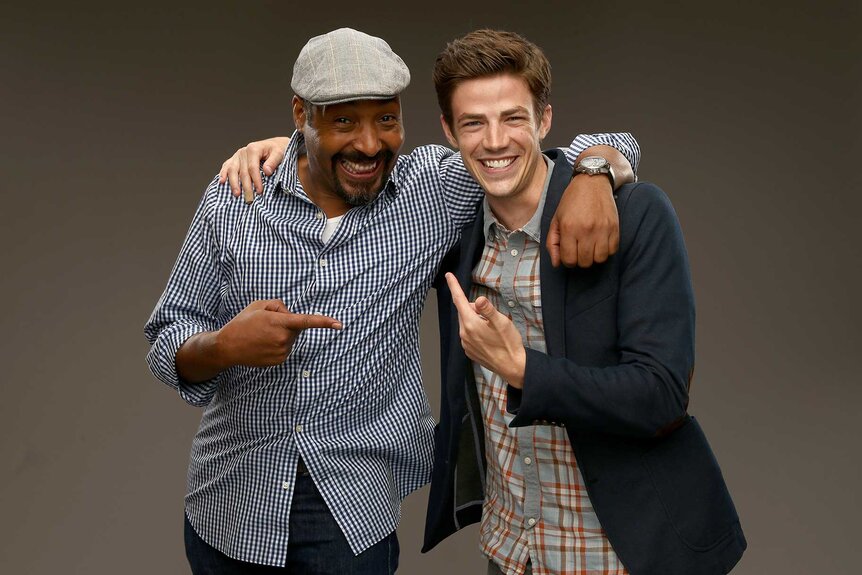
(516, 210)
(331, 204)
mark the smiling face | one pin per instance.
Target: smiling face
(495, 127)
(350, 150)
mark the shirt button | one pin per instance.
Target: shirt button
(511, 303)
(514, 252)
(285, 485)
(319, 215)
(531, 521)
(306, 373)
(527, 461)
(323, 262)
(298, 428)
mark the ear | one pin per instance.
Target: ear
(452, 141)
(299, 119)
(545, 124)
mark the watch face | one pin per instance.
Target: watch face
(593, 162)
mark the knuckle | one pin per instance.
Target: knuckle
(589, 225)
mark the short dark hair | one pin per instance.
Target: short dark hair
(484, 53)
(308, 108)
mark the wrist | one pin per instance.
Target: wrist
(601, 178)
(517, 369)
(196, 360)
(596, 166)
(217, 349)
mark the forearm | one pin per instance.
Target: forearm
(200, 358)
(636, 399)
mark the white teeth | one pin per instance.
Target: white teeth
(359, 168)
(501, 163)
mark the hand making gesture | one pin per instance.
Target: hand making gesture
(489, 337)
(261, 335)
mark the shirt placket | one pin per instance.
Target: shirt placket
(513, 252)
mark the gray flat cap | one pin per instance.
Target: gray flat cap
(345, 65)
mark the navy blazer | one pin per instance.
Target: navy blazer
(620, 339)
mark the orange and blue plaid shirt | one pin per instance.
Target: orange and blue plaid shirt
(536, 508)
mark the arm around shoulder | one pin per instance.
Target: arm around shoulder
(646, 390)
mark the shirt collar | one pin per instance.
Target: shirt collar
(533, 228)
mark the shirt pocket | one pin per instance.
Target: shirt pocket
(526, 285)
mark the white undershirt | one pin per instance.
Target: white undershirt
(330, 227)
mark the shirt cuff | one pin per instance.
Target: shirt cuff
(161, 360)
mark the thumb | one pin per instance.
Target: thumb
(486, 309)
(275, 305)
(270, 165)
(552, 242)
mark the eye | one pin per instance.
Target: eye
(342, 120)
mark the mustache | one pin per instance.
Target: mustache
(357, 157)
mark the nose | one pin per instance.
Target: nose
(496, 137)
(368, 139)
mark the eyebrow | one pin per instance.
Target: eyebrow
(509, 112)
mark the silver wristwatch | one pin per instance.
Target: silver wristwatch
(593, 165)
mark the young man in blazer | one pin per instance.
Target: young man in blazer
(564, 425)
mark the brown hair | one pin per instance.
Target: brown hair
(483, 53)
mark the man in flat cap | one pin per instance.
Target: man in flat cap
(293, 320)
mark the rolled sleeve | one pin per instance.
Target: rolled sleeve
(190, 303)
(622, 141)
(161, 356)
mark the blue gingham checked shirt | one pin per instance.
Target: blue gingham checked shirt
(349, 402)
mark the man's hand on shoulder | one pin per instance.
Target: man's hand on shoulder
(586, 226)
(242, 170)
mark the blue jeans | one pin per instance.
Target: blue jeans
(316, 545)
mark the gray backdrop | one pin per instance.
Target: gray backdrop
(113, 120)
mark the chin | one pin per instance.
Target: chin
(359, 195)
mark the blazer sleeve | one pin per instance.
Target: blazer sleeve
(646, 392)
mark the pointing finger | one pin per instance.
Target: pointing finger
(300, 321)
(458, 298)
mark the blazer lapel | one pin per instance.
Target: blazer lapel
(553, 280)
(472, 244)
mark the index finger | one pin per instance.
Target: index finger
(232, 173)
(245, 177)
(254, 157)
(300, 321)
(462, 304)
